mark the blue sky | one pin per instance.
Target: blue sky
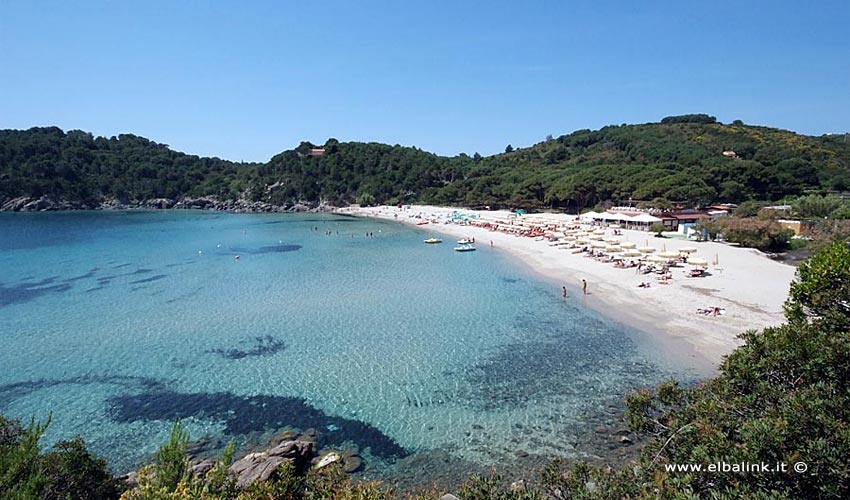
(244, 82)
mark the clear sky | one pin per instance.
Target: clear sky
(244, 82)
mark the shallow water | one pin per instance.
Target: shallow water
(121, 322)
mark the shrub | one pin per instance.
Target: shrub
(68, 470)
(752, 232)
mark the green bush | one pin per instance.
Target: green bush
(68, 470)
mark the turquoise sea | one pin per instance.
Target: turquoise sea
(119, 323)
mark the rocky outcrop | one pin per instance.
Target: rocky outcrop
(41, 204)
(264, 466)
(46, 203)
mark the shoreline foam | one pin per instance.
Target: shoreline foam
(750, 287)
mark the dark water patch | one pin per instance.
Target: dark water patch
(34, 284)
(509, 280)
(90, 274)
(94, 289)
(187, 295)
(263, 346)
(137, 288)
(251, 414)
(137, 272)
(10, 392)
(184, 263)
(155, 277)
(25, 292)
(557, 360)
(259, 250)
(120, 266)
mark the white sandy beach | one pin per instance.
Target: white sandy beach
(748, 285)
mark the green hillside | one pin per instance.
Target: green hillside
(679, 160)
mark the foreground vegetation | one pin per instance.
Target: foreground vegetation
(781, 398)
(679, 160)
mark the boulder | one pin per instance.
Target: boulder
(328, 459)
(448, 496)
(263, 466)
(255, 467)
(39, 205)
(352, 463)
(201, 468)
(131, 479)
(15, 204)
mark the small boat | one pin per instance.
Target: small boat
(431, 241)
(465, 248)
(465, 241)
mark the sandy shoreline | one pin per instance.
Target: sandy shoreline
(749, 286)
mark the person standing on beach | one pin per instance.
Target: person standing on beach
(584, 286)
(564, 292)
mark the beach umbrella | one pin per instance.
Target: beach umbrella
(631, 253)
(569, 237)
(613, 249)
(657, 258)
(583, 241)
(669, 255)
(688, 249)
(597, 244)
(613, 241)
(646, 249)
(627, 244)
(716, 259)
(598, 231)
(596, 237)
(698, 261)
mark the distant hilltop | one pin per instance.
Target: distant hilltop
(687, 160)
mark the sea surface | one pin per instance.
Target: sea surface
(118, 323)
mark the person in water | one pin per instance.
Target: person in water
(564, 292)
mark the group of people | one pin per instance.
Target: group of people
(583, 289)
(711, 311)
(330, 232)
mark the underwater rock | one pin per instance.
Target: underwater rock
(351, 464)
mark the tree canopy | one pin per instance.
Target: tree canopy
(679, 160)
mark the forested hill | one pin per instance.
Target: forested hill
(679, 160)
